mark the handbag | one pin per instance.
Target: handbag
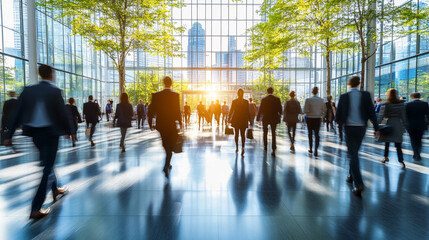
(178, 147)
(385, 129)
(249, 133)
(229, 130)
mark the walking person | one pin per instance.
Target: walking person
(76, 119)
(41, 112)
(108, 110)
(166, 107)
(225, 111)
(292, 109)
(329, 116)
(124, 114)
(239, 117)
(354, 110)
(217, 111)
(187, 111)
(140, 113)
(394, 111)
(315, 110)
(91, 111)
(270, 110)
(9, 108)
(253, 110)
(417, 117)
(201, 109)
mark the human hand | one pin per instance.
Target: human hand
(376, 133)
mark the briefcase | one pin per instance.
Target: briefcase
(178, 147)
(249, 133)
(229, 130)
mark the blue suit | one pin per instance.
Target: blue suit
(417, 117)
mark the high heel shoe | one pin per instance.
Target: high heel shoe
(402, 164)
(386, 159)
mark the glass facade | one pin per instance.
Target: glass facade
(401, 63)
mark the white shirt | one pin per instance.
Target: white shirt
(40, 116)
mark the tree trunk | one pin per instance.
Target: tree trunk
(328, 74)
(121, 71)
(362, 73)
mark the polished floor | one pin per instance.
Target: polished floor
(213, 193)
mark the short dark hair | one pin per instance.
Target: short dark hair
(416, 95)
(168, 82)
(90, 97)
(354, 81)
(292, 94)
(329, 98)
(315, 90)
(250, 99)
(71, 101)
(270, 90)
(45, 71)
(124, 98)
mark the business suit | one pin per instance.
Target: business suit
(140, 114)
(124, 113)
(76, 119)
(187, 110)
(417, 113)
(166, 107)
(239, 117)
(201, 109)
(270, 110)
(292, 108)
(9, 108)
(41, 112)
(354, 117)
(217, 112)
(91, 111)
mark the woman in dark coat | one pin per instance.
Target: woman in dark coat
(239, 117)
(394, 111)
(124, 113)
(76, 119)
(292, 108)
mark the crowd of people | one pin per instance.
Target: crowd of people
(41, 113)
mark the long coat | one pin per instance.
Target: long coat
(395, 115)
(239, 114)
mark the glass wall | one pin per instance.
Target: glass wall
(401, 63)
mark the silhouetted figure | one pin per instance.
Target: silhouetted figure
(211, 113)
(187, 110)
(166, 108)
(217, 111)
(253, 110)
(76, 119)
(354, 110)
(9, 108)
(225, 111)
(239, 117)
(201, 109)
(108, 110)
(292, 109)
(417, 116)
(378, 105)
(124, 114)
(394, 111)
(100, 116)
(315, 109)
(140, 114)
(91, 111)
(270, 110)
(42, 113)
(329, 115)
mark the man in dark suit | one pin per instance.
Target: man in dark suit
(201, 109)
(140, 113)
(217, 111)
(187, 110)
(9, 108)
(354, 110)
(417, 115)
(271, 110)
(91, 111)
(41, 112)
(166, 107)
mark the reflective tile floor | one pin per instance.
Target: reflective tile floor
(213, 193)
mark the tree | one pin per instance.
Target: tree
(117, 27)
(259, 87)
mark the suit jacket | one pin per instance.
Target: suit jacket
(75, 117)
(270, 109)
(201, 109)
(366, 109)
(9, 108)
(124, 113)
(292, 108)
(217, 109)
(49, 95)
(140, 109)
(91, 111)
(187, 110)
(166, 108)
(239, 114)
(417, 115)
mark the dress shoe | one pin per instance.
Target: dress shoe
(123, 149)
(273, 153)
(92, 144)
(349, 179)
(236, 149)
(310, 151)
(40, 214)
(292, 148)
(60, 192)
(386, 159)
(73, 144)
(166, 172)
(417, 158)
(315, 154)
(242, 152)
(265, 149)
(402, 164)
(358, 191)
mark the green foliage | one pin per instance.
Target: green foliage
(259, 87)
(117, 27)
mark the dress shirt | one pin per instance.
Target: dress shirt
(354, 116)
(40, 116)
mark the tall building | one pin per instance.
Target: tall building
(196, 56)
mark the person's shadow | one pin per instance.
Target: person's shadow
(269, 193)
(240, 183)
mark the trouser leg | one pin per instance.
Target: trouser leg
(273, 136)
(123, 134)
(289, 130)
(243, 137)
(93, 125)
(354, 137)
(236, 133)
(293, 132)
(386, 149)
(265, 130)
(169, 138)
(399, 152)
(310, 133)
(316, 126)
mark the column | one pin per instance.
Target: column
(32, 41)
(370, 64)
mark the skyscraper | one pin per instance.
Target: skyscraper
(196, 53)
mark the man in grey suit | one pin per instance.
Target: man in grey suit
(315, 109)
